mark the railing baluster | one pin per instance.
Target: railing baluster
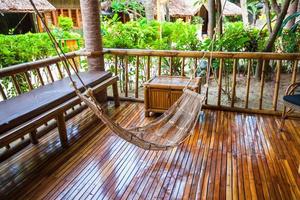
(16, 84)
(208, 75)
(50, 73)
(28, 81)
(2, 93)
(262, 83)
(126, 76)
(182, 66)
(277, 82)
(116, 65)
(40, 76)
(137, 77)
(294, 74)
(159, 66)
(248, 83)
(233, 92)
(148, 68)
(220, 81)
(171, 66)
(61, 76)
(195, 67)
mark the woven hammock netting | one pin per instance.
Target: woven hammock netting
(167, 131)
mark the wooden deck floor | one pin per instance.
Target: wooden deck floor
(230, 155)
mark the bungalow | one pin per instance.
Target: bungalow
(17, 16)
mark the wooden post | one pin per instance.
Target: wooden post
(233, 92)
(294, 74)
(78, 18)
(220, 82)
(146, 93)
(28, 81)
(116, 93)
(137, 77)
(148, 69)
(277, 82)
(33, 137)
(16, 84)
(182, 66)
(248, 84)
(126, 76)
(159, 66)
(54, 18)
(61, 125)
(116, 65)
(2, 93)
(262, 83)
(39, 23)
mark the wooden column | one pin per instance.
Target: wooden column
(61, 125)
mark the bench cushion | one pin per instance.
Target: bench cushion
(20, 109)
(293, 99)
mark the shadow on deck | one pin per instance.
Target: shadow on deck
(230, 155)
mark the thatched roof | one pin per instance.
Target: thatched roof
(191, 8)
(10, 6)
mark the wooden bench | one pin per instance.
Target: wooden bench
(25, 113)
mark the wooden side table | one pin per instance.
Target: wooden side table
(163, 91)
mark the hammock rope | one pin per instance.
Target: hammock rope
(169, 130)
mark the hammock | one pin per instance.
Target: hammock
(167, 131)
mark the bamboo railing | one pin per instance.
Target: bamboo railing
(226, 67)
(228, 90)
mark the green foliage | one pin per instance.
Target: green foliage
(65, 23)
(143, 34)
(237, 38)
(125, 6)
(17, 49)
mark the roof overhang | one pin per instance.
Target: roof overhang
(24, 6)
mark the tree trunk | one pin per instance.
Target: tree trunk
(268, 18)
(273, 35)
(292, 9)
(91, 32)
(211, 18)
(244, 12)
(168, 18)
(219, 17)
(277, 27)
(92, 38)
(149, 9)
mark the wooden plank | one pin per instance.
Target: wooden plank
(220, 82)
(233, 88)
(277, 84)
(262, 84)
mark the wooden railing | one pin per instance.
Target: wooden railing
(232, 84)
(25, 77)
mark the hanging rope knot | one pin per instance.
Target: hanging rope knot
(90, 92)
